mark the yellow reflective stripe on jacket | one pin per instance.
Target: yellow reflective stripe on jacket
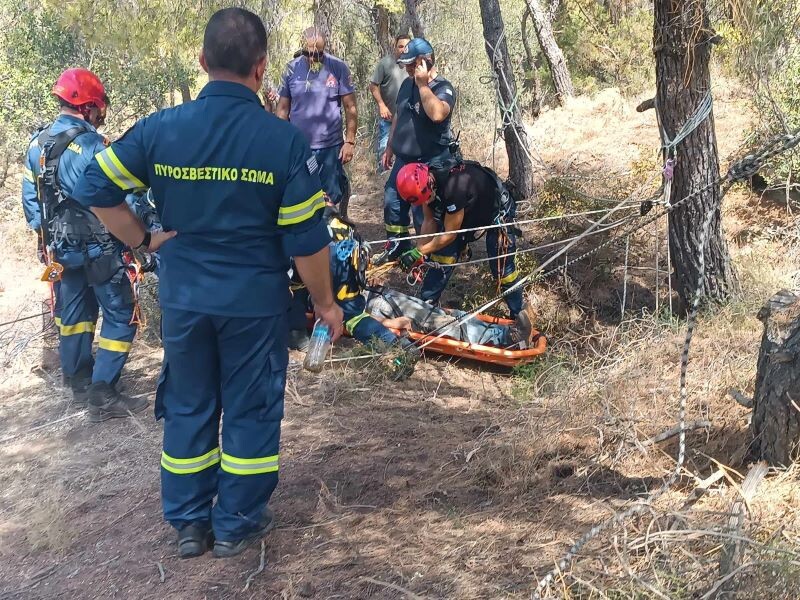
(116, 171)
(249, 466)
(113, 345)
(28, 174)
(297, 213)
(443, 260)
(353, 323)
(396, 228)
(186, 466)
(510, 278)
(77, 328)
(344, 293)
(57, 321)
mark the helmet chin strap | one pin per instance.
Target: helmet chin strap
(96, 119)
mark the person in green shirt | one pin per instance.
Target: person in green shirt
(384, 85)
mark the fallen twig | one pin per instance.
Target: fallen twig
(732, 552)
(44, 426)
(161, 573)
(258, 570)
(740, 398)
(665, 435)
(393, 586)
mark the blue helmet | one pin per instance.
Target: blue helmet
(416, 48)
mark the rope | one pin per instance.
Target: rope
(700, 114)
(29, 317)
(536, 248)
(740, 170)
(497, 225)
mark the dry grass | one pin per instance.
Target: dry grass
(463, 482)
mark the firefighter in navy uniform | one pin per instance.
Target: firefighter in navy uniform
(73, 239)
(349, 262)
(469, 196)
(237, 194)
(420, 132)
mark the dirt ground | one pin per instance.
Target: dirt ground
(464, 482)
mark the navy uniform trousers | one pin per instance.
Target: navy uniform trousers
(76, 313)
(227, 368)
(503, 269)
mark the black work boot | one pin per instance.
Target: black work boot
(299, 340)
(78, 385)
(234, 548)
(106, 403)
(194, 539)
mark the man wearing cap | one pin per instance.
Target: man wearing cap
(314, 88)
(420, 133)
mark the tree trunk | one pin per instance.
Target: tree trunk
(186, 93)
(520, 169)
(776, 403)
(324, 16)
(533, 83)
(683, 79)
(381, 24)
(542, 22)
(412, 19)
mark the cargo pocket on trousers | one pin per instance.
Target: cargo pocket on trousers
(161, 388)
(275, 386)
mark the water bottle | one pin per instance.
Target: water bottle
(318, 347)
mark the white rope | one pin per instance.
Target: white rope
(524, 280)
(700, 114)
(541, 247)
(498, 225)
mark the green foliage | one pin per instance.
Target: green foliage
(603, 54)
(763, 49)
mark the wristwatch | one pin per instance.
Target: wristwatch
(145, 243)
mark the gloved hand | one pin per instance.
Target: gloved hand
(410, 259)
(149, 263)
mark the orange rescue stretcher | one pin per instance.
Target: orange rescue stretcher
(487, 354)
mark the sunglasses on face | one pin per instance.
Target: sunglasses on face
(313, 53)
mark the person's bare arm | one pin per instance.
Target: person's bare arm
(284, 106)
(401, 323)
(315, 272)
(452, 222)
(437, 110)
(351, 127)
(383, 110)
(124, 225)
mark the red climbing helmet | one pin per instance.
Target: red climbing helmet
(80, 87)
(413, 184)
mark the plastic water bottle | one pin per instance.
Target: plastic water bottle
(318, 347)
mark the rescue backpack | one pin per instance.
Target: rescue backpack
(63, 219)
(504, 202)
(350, 248)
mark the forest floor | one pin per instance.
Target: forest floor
(464, 481)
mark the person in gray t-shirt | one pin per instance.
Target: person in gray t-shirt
(384, 85)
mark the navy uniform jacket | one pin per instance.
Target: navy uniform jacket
(237, 184)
